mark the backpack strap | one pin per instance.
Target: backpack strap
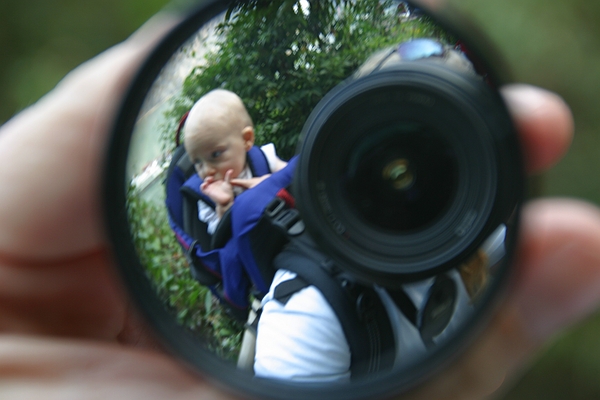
(438, 309)
(191, 194)
(175, 178)
(257, 161)
(405, 304)
(184, 163)
(361, 313)
(182, 194)
(286, 289)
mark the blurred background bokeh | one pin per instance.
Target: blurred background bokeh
(555, 45)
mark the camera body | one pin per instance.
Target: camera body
(409, 166)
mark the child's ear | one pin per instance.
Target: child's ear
(248, 135)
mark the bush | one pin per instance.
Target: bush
(192, 305)
(282, 59)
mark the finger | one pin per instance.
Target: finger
(51, 156)
(207, 181)
(557, 283)
(77, 297)
(544, 121)
(228, 176)
(559, 266)
(57, 276)
(52, 369)
(243, 183)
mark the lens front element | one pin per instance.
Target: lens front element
(403, 178)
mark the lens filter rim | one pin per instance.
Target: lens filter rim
(423, 92)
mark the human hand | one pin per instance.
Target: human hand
(557, 278)
(67, 329)
(65, 319)
(249, 183)
(220, 191)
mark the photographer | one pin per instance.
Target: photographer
(304, 334)
(68, 329)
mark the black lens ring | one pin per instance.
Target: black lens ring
(192, 352)
(405, 257)
(470, 177)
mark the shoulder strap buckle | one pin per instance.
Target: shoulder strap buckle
(286, 219)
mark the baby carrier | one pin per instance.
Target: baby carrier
(203, 250)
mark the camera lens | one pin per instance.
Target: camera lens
(399, 171)
(402, 178)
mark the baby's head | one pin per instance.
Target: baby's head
(218, 133)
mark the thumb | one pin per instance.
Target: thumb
(52, 154)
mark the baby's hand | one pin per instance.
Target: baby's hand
(220, 191)
(249, 183)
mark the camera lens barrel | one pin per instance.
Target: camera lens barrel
(404, 172)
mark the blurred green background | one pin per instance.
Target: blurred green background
(552, 44)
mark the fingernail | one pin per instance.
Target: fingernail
(525, 99)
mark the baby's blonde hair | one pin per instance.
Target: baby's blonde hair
(220, 111)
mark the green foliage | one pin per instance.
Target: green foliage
(281, 58)
(191, 304)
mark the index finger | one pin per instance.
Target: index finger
(545, 124)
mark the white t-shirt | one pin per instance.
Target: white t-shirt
(301, 340)
(209, 216)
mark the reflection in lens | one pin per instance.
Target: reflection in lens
(398, 174)
(419, 49)
(403, 178)
(280, 88)
(400, 177)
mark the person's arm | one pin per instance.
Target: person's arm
(68, 327)
(275, 164)
(249, 183)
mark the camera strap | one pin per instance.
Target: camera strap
(438, 309)
(358, 308)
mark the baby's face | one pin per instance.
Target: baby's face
(215, 153)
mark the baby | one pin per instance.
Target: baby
(218, 134)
